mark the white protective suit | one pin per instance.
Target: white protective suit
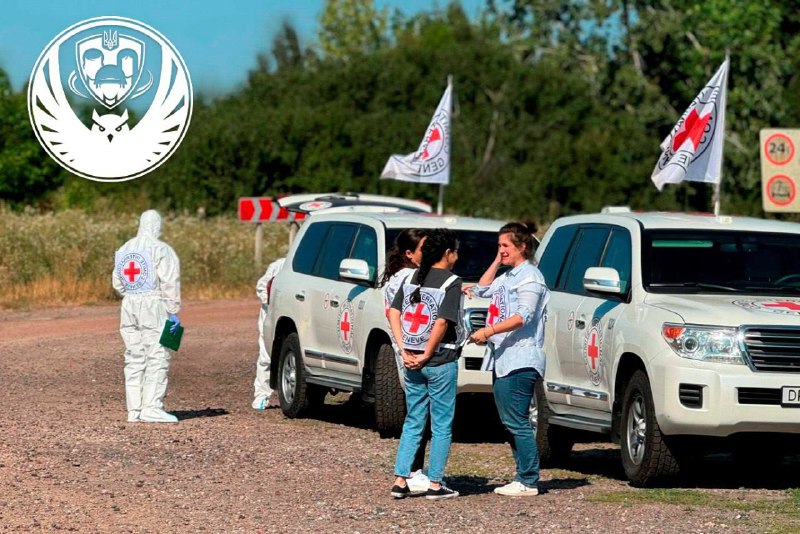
(262, 392)
(147, 275)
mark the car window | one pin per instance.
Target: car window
(552, 259)
(713, 261)
(618, 256)
(306, 254)
(366, 248)
(590, 244)
(335, 248)
(476, 251)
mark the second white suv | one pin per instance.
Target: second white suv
(327, 324)
(668, 332)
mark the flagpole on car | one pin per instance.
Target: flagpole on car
(717, 185)
(440, 204)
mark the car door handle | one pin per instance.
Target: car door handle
(300, 296)
(580, 324)
(334, 303)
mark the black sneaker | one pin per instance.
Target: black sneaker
(400, 492)
(442, 493)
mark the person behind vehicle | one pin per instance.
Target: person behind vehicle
(401, 261)
(261, 390)
(425, 322)
(514, 332)
(147, 275)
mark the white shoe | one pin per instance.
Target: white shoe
(516, 489)
(133, 416)
(157, 415)
(261, 404)
(418, 482)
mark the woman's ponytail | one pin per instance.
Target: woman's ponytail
(439, 241)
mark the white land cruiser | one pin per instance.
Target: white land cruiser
(663, 329)
(326, 321)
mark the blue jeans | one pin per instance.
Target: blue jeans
(428, 389)
(512, 395)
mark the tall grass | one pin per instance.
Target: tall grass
(67, 257)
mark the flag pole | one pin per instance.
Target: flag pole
(440, 204)
(716, 195)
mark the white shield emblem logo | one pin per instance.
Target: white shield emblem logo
(134, 82)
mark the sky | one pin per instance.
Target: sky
(219, 40)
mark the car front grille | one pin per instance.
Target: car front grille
(759, 396)
(475, 318)
(772, 348)
(472, 363)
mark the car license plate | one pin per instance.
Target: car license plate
(790, 396)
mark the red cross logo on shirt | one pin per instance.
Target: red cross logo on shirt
(494, 313)
(593, 351)
(345, 325)
(788, 305)
(417, 318)
(131, 271)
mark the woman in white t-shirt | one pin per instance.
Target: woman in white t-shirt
(401, 261)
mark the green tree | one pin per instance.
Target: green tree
(351, 27)
(26, 171)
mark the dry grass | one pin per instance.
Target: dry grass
(66, 258)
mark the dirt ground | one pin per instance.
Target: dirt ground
(69, 461)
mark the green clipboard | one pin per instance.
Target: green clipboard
(170, 340)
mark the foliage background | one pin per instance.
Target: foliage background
(559, 108)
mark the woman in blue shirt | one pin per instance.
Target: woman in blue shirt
(514, 332)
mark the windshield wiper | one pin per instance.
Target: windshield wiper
(774, 289)
(697, 285)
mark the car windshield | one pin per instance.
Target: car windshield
(691, 261)
(476, 250)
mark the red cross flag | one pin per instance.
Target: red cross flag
(693, 150)
(431, 162)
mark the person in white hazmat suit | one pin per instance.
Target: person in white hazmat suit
(147, 276)
(262, 392)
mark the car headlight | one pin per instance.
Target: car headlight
(704, 343)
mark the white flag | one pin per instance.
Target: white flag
(431, 162)
(693, 150)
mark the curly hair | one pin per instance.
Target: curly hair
(439, 241)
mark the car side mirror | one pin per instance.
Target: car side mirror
(354, 270)
(602, 280)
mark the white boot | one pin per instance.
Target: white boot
(157, 415)
(133, 416)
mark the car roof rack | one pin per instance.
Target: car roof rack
(309, 203)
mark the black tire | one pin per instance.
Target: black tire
(297, 397)
(390, 400)
(554, 442)
(646, 455)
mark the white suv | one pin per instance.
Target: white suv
(326, 321)
(666, 328)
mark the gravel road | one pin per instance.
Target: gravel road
(69, 462)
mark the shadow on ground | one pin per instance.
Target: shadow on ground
(764, 470)
(183, 415)
(476, 419)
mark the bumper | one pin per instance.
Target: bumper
(732, 399)
(470, 378)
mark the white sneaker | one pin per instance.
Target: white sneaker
(133, 416)
(516, 489)
(418, 482)
(157, 415)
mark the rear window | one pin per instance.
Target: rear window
(476, 251)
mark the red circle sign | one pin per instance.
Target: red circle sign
(781, 190)
(779, 149)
